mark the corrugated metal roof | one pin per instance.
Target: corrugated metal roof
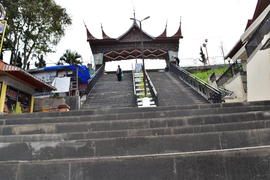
(26, 77)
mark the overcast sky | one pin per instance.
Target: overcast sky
(217, 20)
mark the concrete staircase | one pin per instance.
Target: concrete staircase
(173, 91)
(200, 141)
(111, 93)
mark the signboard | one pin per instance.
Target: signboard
(172, 54)
(98, 58)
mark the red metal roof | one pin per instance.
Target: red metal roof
(25, 77)
(134, 25)
(260, 7)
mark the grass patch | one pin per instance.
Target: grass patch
(204, 75)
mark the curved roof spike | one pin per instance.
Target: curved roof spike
(164, 34)
(179, 31)
(104, 35)
(89, 35)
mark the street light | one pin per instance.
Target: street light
(205, 46)
(140, 23)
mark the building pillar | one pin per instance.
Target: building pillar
(32, 104)
(3, 96)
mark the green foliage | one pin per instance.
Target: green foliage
(204, 75)
(203, 58)
(70, 57)
(34, 27)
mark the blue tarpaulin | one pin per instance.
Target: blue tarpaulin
(83, 72)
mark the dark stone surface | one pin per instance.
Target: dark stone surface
(109, 92)
(172, 91)
(44, 171)
(138, 115)
(129, 110)
(249, 164)
(198, 141)
(134, 145)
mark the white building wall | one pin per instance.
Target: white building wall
(258, 76)
(236, 86)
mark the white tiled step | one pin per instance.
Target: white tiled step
(141, 94)
(140, 99)
(151, 103)
(142, 89)
(140, 106)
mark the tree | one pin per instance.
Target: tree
(18, 60)
(34, 27)
(203, 59)
(70, 57)
(41, 62)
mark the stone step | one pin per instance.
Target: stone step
(128, 110)
(239, 163)
(85, 126)
(133, 115)
(134, 145)
(157, 131)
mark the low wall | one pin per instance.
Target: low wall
(51, 103)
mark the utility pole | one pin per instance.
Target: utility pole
(222, 51)
(142, 51)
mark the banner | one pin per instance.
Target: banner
(2, 25)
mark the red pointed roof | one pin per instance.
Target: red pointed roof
(134, 31)
(89, 35)
(104, 35)
(260, 7)
(179, 32)
(164, 34)
(134, 28)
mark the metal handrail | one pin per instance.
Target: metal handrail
(134, 84)
(234, 69)
(152, 88)
(94, 79)
(210, 93)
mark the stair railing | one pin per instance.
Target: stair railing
(134, 85)
(234, 69)
(210, 93)
(152, 89)
(94, 79)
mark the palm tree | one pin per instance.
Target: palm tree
(70, 57)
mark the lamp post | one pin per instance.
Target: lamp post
(205, 46)
(140, 23)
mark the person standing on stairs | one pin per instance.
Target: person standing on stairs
(119, 73)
